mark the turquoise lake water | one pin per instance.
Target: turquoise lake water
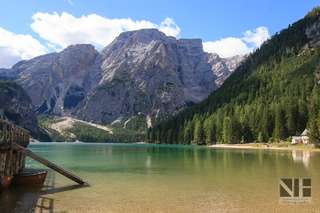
(164, 178)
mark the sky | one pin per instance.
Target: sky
(226, 27)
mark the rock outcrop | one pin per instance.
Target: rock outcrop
(141, 71)
(314, 32)
(16, 107)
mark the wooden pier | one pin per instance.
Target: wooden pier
(13, 152)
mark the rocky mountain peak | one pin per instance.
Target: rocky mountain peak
(143, 35)
(141, 71)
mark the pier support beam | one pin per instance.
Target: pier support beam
(22, 161)
(2, 167)
(8, 166)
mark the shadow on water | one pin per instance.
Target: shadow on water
(32, 197)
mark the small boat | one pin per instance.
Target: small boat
(29, 178)
(6, 181)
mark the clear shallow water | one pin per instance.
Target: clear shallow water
(152, 178)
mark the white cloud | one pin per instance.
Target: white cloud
(15, 47)
(60, 31)
(66, 29)
(169, 27)
(257, 37)
(237, 46)
(227, 47)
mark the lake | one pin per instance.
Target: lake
(165, 178)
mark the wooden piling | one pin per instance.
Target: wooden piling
(23, 161)
(2, 167)
(16, 171)
(8, 166)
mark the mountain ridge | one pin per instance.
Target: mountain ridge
(141, 71)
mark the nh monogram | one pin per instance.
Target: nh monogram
(295, 190)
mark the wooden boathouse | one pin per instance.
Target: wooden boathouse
(13, 152)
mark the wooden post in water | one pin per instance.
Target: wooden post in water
(17, 161)
(3, 154)
(2, 167)
(13, 163)
(8, 166)
(8, 162)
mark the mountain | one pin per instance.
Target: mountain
(271, 96)
(51, 79)
(16, 107)
(140, 72)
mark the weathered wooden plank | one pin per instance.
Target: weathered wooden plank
(8, 166)
(2, 168)
(13, 162)
(48, 163)
(4, 136)
(23, 161)
(16, 171)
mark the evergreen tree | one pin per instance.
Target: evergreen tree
(265, 124)
(303, 112)
(246, 130)
(235, 131)
(211, 132)
(226, 129)
(187, 133)
(157, 136)
(260, 138)
(198, 132)
(292, 113)
(314, 135)
(279, 123)
(170, 136)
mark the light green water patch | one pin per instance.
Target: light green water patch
(161, 178)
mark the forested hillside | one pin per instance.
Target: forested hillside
(274, 94)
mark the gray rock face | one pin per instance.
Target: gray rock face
(141, 71)
(48, 78)
(16, 107)
(314, 32)
(233, 62)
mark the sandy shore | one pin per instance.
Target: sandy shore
(262, 146)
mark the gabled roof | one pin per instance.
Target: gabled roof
(305, 132)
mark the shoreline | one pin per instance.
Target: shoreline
(236, 146)
(262, 146)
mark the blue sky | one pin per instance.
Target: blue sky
(227, 27)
